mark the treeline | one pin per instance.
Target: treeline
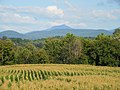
(103, 50)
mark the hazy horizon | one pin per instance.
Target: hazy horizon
(55, 26)
(27, 15)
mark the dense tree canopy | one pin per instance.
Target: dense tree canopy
(117, 31)
(104, 50)
(6, 51)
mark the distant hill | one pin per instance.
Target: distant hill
(111, 31)
(11, 34)
(60, 27)
(61, 30)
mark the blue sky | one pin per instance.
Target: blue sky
(31, 15)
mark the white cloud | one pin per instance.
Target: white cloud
(49, 11)
(41, 26)
(16, 18)
(103, 14)
(29, 18)
(55, 11)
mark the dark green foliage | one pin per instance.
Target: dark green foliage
(55, 73)
(68, 80)
(42, 56)
(117, 31)
(46, 73)
(32, 75)
(20, 76)
(7, 77)
(49, 73)
(39, 75)
(12, 71)
(42, 74)
(11, 78)
(29, 78)
(25, 76)
(6, 52)
(9, 84)
(18, 71)
(59, 73)
(35, 73)
(72, 73)
(103, 50)
(2, 79)
(16, 78)
(65, 50)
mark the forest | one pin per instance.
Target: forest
(103, 50)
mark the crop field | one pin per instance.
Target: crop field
(59, 77)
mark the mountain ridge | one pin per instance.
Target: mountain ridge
(11, 34)
(60, 30)
(58, 27)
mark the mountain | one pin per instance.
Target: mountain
(60, 30)
(111, 30)
(11, 34)
(63, 26)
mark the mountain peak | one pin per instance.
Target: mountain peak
(9, 31)
(11, 34)
(63, 26)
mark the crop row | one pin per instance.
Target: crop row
(21, 75)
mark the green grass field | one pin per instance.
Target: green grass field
(59, 77)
